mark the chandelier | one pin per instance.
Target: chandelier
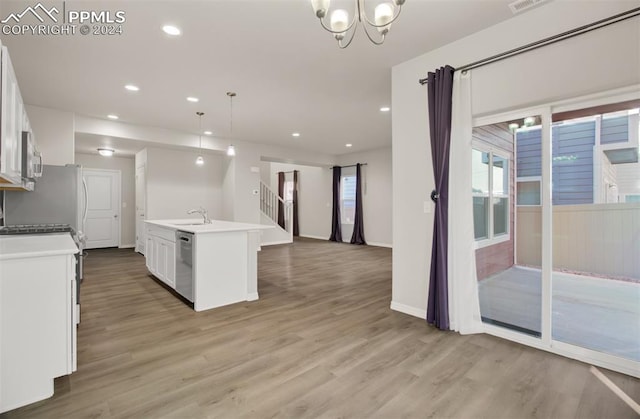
(384, 15)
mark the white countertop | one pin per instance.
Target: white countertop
(216, 226)
(35, 245)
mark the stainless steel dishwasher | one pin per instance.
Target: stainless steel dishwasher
(184, 264)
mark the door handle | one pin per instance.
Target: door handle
(115, 216)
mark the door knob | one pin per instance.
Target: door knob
(115, 216)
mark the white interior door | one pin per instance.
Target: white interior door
(102, 227)
(140, 208)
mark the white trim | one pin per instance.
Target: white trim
(479, 244)
(252, 296)
(276, 243)
(411, 311)
(127, 246)
(311, 236)
(390, 246)
(578, 353)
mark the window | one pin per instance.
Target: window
(632, 198)
(490, 191)
(288, 190)
(348, 199)
(528, 191)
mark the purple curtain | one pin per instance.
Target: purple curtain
(440, 85)
(336, 228)
(281, 195)
(358, 226)
(296, 228)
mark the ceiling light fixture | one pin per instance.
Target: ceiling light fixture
(200, 159)
(171, 30)
(231, 150)
(348, 145)
(106, 152)
(385, 109)
(132, 87)
(208, 133)
(112, 116)
(295, 134)
(193, 99)
(384, 15)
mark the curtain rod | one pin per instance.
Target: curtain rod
(351, 165)
(290, 171)
(548, 41)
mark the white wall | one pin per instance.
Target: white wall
(376, 193)
(176, 184)
(54, 133)
(314, 196)
(604, 59)
(126, 166)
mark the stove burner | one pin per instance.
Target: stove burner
(35, 229)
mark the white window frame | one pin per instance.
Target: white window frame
(504, 237)
(529, 179)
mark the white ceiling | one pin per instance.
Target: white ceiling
(289, 74)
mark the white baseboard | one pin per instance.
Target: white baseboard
(412, 311)
(309, 236)
(252, 296)
(275, 243)
(390, 246)
(126, 246)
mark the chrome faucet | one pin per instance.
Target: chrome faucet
(202, 212)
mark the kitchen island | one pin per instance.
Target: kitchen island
(211, 265)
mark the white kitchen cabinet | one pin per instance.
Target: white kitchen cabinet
(37, 316)
(160, 254)
(11, 122)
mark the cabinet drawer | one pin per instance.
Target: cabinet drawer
(163, 233)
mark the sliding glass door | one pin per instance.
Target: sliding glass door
(556, 206)
(596, 231)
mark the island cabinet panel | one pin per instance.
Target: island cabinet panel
(224, 259)
(160, 254)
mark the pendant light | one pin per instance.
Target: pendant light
(200, 159)
(231, 150)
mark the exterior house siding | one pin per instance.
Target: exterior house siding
(572, 166)
(614, 130)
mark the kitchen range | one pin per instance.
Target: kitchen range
(41, 254)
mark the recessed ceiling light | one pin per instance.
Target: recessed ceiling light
(208, 133)
(132, 87)
(385, 109)
(295, 134)
(348, 145)
(193, 99)
(171, 30)
(112, 116)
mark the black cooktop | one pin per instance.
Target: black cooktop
(35, 229)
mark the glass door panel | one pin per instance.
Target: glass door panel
(596, 233)
(508, 235)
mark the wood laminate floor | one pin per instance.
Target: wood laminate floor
(320, 342)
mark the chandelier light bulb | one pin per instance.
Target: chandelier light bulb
(383, 16)
(320, 7)
(339, 20)
(231, 150)
(200, 161)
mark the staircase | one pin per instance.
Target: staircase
(269, 207)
